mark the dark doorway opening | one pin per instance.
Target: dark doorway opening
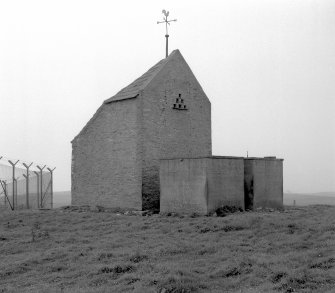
(249, 194)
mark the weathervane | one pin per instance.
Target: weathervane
(167, 22)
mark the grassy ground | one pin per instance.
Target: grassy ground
(73, 251)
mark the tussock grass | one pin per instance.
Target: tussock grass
(84, 250)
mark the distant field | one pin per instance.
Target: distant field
(303, 199)
(67, 250)
(62, 198)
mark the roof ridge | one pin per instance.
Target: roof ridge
(132, 90)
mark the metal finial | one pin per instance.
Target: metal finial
(167, 22)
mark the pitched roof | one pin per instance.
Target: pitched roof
(133, 89)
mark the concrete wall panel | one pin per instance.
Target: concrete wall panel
(263, 182)
(183, 186)
(225, 182)
(201, 184)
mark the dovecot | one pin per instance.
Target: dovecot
(115, 158)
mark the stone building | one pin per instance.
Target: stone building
(162, 114)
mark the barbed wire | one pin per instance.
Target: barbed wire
(6, 169)
(21, 162)
(25, 184)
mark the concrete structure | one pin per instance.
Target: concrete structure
(201, 185)
(263, 182)
(163, 114)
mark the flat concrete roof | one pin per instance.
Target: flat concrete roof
(225, 157)
(273, 158)
(207, 157)
(264, 158)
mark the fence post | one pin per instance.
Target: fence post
(38, 189)
(27, 183)
(4, 187)
(27, 190)
(51, 186)
(13, 165)
(5, 190)
(15, 180)
(4, 183)
(41, 183)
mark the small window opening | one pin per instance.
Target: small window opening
(179, 104)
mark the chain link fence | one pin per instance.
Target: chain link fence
(25, 186)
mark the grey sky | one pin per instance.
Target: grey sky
(268, 68)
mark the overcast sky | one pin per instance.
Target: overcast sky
(268, 68)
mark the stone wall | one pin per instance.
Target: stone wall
(106, 158)
(169, 132)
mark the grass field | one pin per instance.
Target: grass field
(65, 250)
(62, 198)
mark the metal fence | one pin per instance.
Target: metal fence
(24, 185)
